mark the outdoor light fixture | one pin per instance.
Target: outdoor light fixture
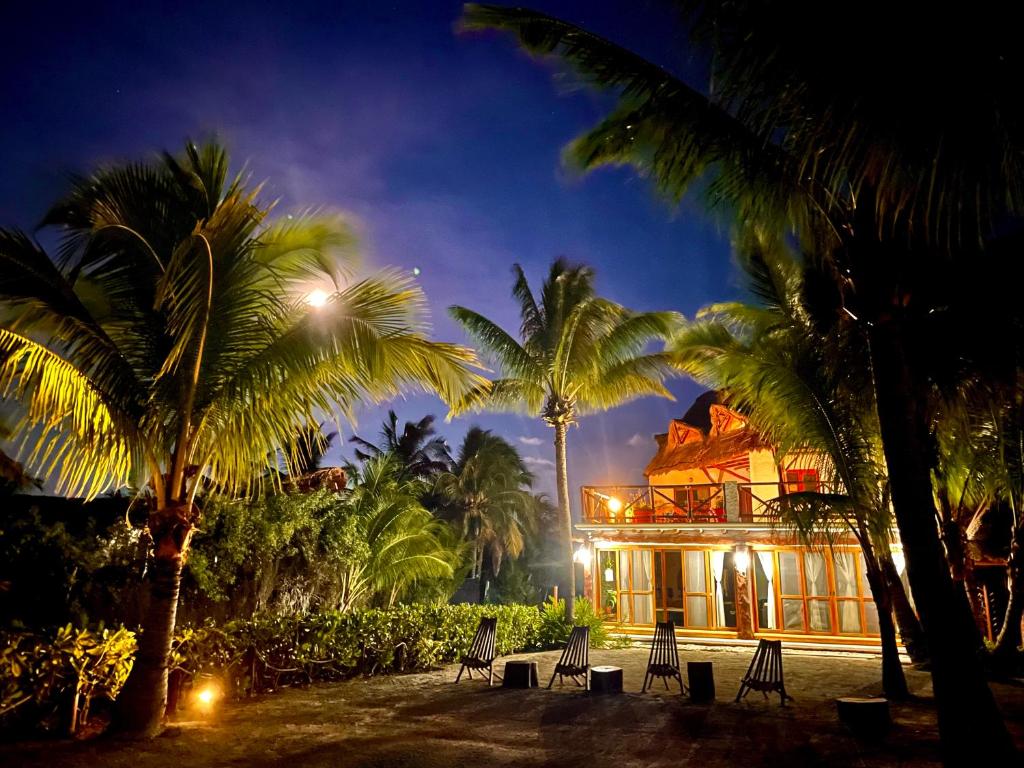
(741, 558)
(582, 555)
(899, 561)
(207, 696)
(614, 505)
(609, 574)
(316, 298)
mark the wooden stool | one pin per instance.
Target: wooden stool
(520, 674)
(702, 680)
(867, 718)
(606, 679)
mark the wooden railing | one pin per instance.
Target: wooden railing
(673, 504)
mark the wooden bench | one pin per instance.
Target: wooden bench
(481, 653)
(664, 659)
(575, 659)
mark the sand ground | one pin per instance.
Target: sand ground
(426, 721)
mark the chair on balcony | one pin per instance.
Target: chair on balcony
(575, 659)
(765, 672)
(664, 659)
(481, 653)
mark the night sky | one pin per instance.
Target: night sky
(443, 147)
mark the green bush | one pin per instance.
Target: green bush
(49, 679)
(555, 629)
(51, 682)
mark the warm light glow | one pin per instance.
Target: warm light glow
(899, 561)
(582, 555)
(614, 505)
(609, 574)
(206, 696)
(316, 298)
(741, 558)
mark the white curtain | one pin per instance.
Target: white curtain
(717, 569)
(765, 559)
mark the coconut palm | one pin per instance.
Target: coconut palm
(390, 541)
(892, 152)
(795, 375)
(487, 494)
(167, 346)
(419, 450)
(578, 353)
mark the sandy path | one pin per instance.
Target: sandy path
(423, 720)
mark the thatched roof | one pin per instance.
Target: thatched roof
(698, 440)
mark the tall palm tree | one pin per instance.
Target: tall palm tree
(578, 353)
(794, 373)
(168, 344)
(418, 448)
(488, 495)
(893, 151)
(393, 542)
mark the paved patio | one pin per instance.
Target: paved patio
(423, 721)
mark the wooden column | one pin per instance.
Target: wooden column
(744, 603)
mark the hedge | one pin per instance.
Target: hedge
(42, 675)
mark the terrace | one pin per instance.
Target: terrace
(706, 503)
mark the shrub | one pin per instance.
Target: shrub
(52, 682)
(555, 628)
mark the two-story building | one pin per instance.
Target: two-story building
(695, 545)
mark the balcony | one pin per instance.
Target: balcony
(709, 503)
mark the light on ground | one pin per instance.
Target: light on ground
(207, 696)
(316, 298)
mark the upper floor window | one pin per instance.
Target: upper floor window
(802, 480)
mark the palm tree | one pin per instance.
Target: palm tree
(417, 448)
(579, 353)
(893, 152)
(791, 370)
(488, 495)
(391, 541)
(169, 345)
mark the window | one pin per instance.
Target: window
(696, 588)
(815, 592)
(802, 480)
(627, 586)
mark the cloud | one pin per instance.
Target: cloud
(637, 440)
(530, 440)
(536, 461)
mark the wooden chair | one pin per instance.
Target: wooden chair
(765, 672)
(575, 660)
(664, 659)
(481, 653)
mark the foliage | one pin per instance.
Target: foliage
(51, 682)
(419, 451)
(555, 627)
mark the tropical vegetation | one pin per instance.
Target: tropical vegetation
(167, 346)
(893, 156)
(576, 353)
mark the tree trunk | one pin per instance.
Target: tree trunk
(562, 480)
(894, 682)
(969, 719)
(906, 620)
(1009, 639)
(143, 701)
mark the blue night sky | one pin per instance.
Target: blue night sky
(443, 147)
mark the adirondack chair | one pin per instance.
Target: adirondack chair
(664, 659)
(765, 672)
(575, 660)
(481, 653)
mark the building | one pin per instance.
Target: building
(695, 545)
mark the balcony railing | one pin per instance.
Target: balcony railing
(675, 504)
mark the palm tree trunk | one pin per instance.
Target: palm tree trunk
(1009, 639)
(967, 712)
(143, 701)
(562, 481)
(894, 682)
(906, 620)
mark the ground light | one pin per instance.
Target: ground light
(207, 696)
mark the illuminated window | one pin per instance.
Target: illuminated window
(801, 480)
